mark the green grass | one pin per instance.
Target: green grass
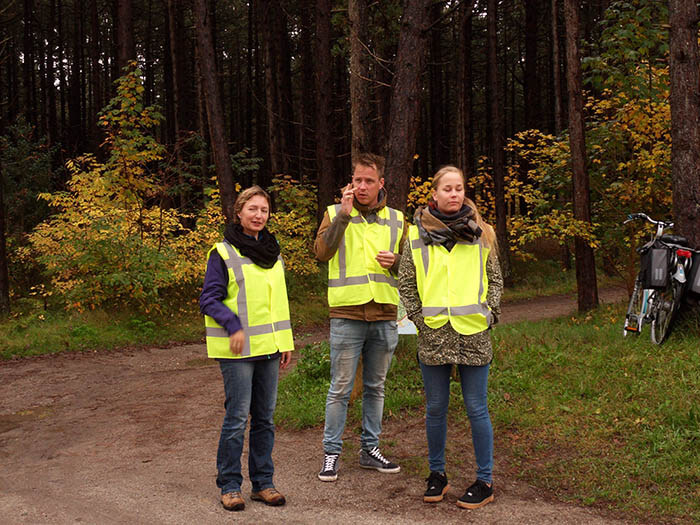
(546, 277)
(36, 332)
(32, 330)
(599, 419)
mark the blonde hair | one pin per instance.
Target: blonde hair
(244, 197)
(488, 234)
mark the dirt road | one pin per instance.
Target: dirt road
(130, 437)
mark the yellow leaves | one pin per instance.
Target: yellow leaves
(294, 224)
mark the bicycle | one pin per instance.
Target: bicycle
(661, 283)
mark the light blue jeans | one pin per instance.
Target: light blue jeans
(251, 388)
(375, 341)
(474, 381)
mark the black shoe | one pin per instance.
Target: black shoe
(437, 487)
(478, 495)
(329, 470)
(373, 459)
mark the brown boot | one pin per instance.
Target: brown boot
(233, 501)
(269, 497)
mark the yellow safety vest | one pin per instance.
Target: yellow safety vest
(452, 285)
(258, 296)
(354, 275)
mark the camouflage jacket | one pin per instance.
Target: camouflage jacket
(444, 345)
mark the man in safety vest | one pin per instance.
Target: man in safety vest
(361, 239)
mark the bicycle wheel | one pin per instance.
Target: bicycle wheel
(666, 303)
(635, 315)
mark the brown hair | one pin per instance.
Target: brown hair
(244, 197)
(370, 160)
(488, 233)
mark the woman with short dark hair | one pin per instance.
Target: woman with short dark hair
(248, 331)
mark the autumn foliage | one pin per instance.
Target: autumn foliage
(114, 241)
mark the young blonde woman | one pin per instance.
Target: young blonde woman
(451, 287)
(244, 301)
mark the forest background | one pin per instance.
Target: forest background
(128, 126)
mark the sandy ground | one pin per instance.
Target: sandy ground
(130, 437)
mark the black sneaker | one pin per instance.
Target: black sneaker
(373, 459)
(329, 470)
(478, 495)
(437, 487)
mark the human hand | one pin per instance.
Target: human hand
(285, 359)
(386, 259)
(346, 200)
(236, 341)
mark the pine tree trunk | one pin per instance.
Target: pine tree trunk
(250, 81)
(28, 64)
(176, 33)
(324, 142)
(465, 144)
(532, 84)
(405, 101)
(168, 128)
(212, 96)
(62, 74)
(52, 134)
(439, 150)
(269, 16)
(75, 117)
(556, 69)
(307, 142)
(685, 112)
(497, 141)
(4, 274)
(585, 260)
(359, 77)
(97, 100)
(126, 48)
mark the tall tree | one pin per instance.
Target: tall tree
(324, 141)
(439, 142)
(97, 100)
(685, 116)
(532, 84)
(75, 116)
(307, 144)
(273, 23)
(28, 63)
(556, 69)
(585, 260)
(215, 114)
(497, 138)
(359, 76)
(52, 130)
(465, 144)
(405, 100)
(126, 47)
(4, 274)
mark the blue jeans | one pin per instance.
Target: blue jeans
(474, 380)
(251, 388)
(375, 341)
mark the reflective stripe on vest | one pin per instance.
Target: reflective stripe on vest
(354, 275)
(448, 294)
(270, 330)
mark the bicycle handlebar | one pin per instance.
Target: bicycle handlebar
(644, 216)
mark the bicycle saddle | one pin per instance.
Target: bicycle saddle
(674, 239)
